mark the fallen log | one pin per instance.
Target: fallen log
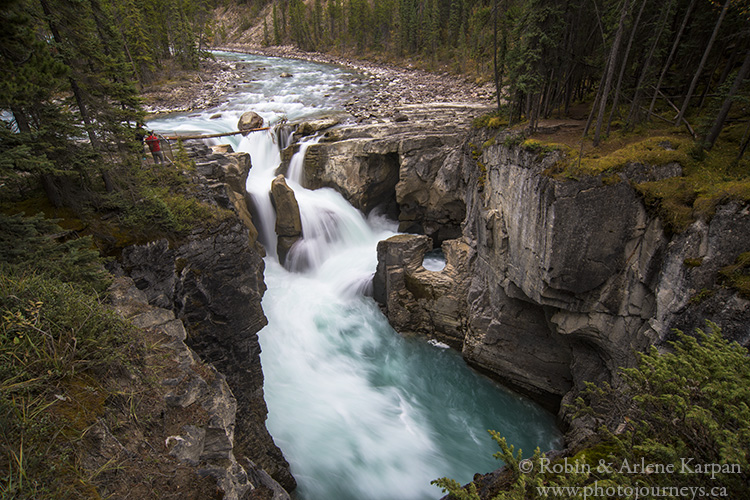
(209, 136)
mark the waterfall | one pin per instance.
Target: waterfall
(265, 157)
(359, 411)
(298, 160)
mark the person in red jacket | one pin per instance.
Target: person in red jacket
(155, 147)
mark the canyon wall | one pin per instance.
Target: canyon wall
(212, 280)
(550, 282)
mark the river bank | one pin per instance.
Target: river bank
(392, 87)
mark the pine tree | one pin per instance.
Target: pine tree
(277, 29)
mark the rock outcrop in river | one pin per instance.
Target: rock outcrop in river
(402, 166)
(288, 222)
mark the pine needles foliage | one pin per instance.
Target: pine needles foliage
(38, 245)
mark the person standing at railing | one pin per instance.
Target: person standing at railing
(155, 147)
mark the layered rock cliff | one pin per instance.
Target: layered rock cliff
(212, 281)
(573, 277)
(197, 411)
(550, 282)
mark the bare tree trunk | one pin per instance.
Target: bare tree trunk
(550, 95)
(711, 76)
(494, 54)
(624, 65)
(610, 71)
(722, 116)
(597, 98)
(132, 62)
(635, 106)
(694, 82)
(728, 66)
(671, 55)
(21, 121)
(82, 107)
(745, 142)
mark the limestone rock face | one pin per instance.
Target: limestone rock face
(687, 294)
(365, 172)
(417, 300)
(566, 280)
(249, 120)
(288, 222)
(572, 277)
(410, 169)
(222, 176)
(565, 275)
(213, 282)
(197, 396)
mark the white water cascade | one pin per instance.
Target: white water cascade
(359, 411)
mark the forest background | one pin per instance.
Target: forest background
(72, 67)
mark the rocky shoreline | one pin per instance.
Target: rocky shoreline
(392, 86)
(201, 89)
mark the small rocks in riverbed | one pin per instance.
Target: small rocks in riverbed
(216, 116)
(285, 75)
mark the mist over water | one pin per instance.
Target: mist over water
(359, 411)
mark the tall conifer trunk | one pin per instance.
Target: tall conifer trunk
(668, 63)
(713, 134)
(78, 95)
(610, 71)
(706, 53)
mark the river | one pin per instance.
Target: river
(359, 411)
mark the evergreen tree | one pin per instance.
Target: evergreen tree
(277, 27)
(38, 142)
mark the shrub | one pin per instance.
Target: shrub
(56, 342)
(39, 244)
(494, 120)
(737, 275)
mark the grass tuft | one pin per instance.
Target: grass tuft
(56, 341)
(737, 275)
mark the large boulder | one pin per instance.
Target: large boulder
(311, 127)
(288, 221)
(249, 120)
